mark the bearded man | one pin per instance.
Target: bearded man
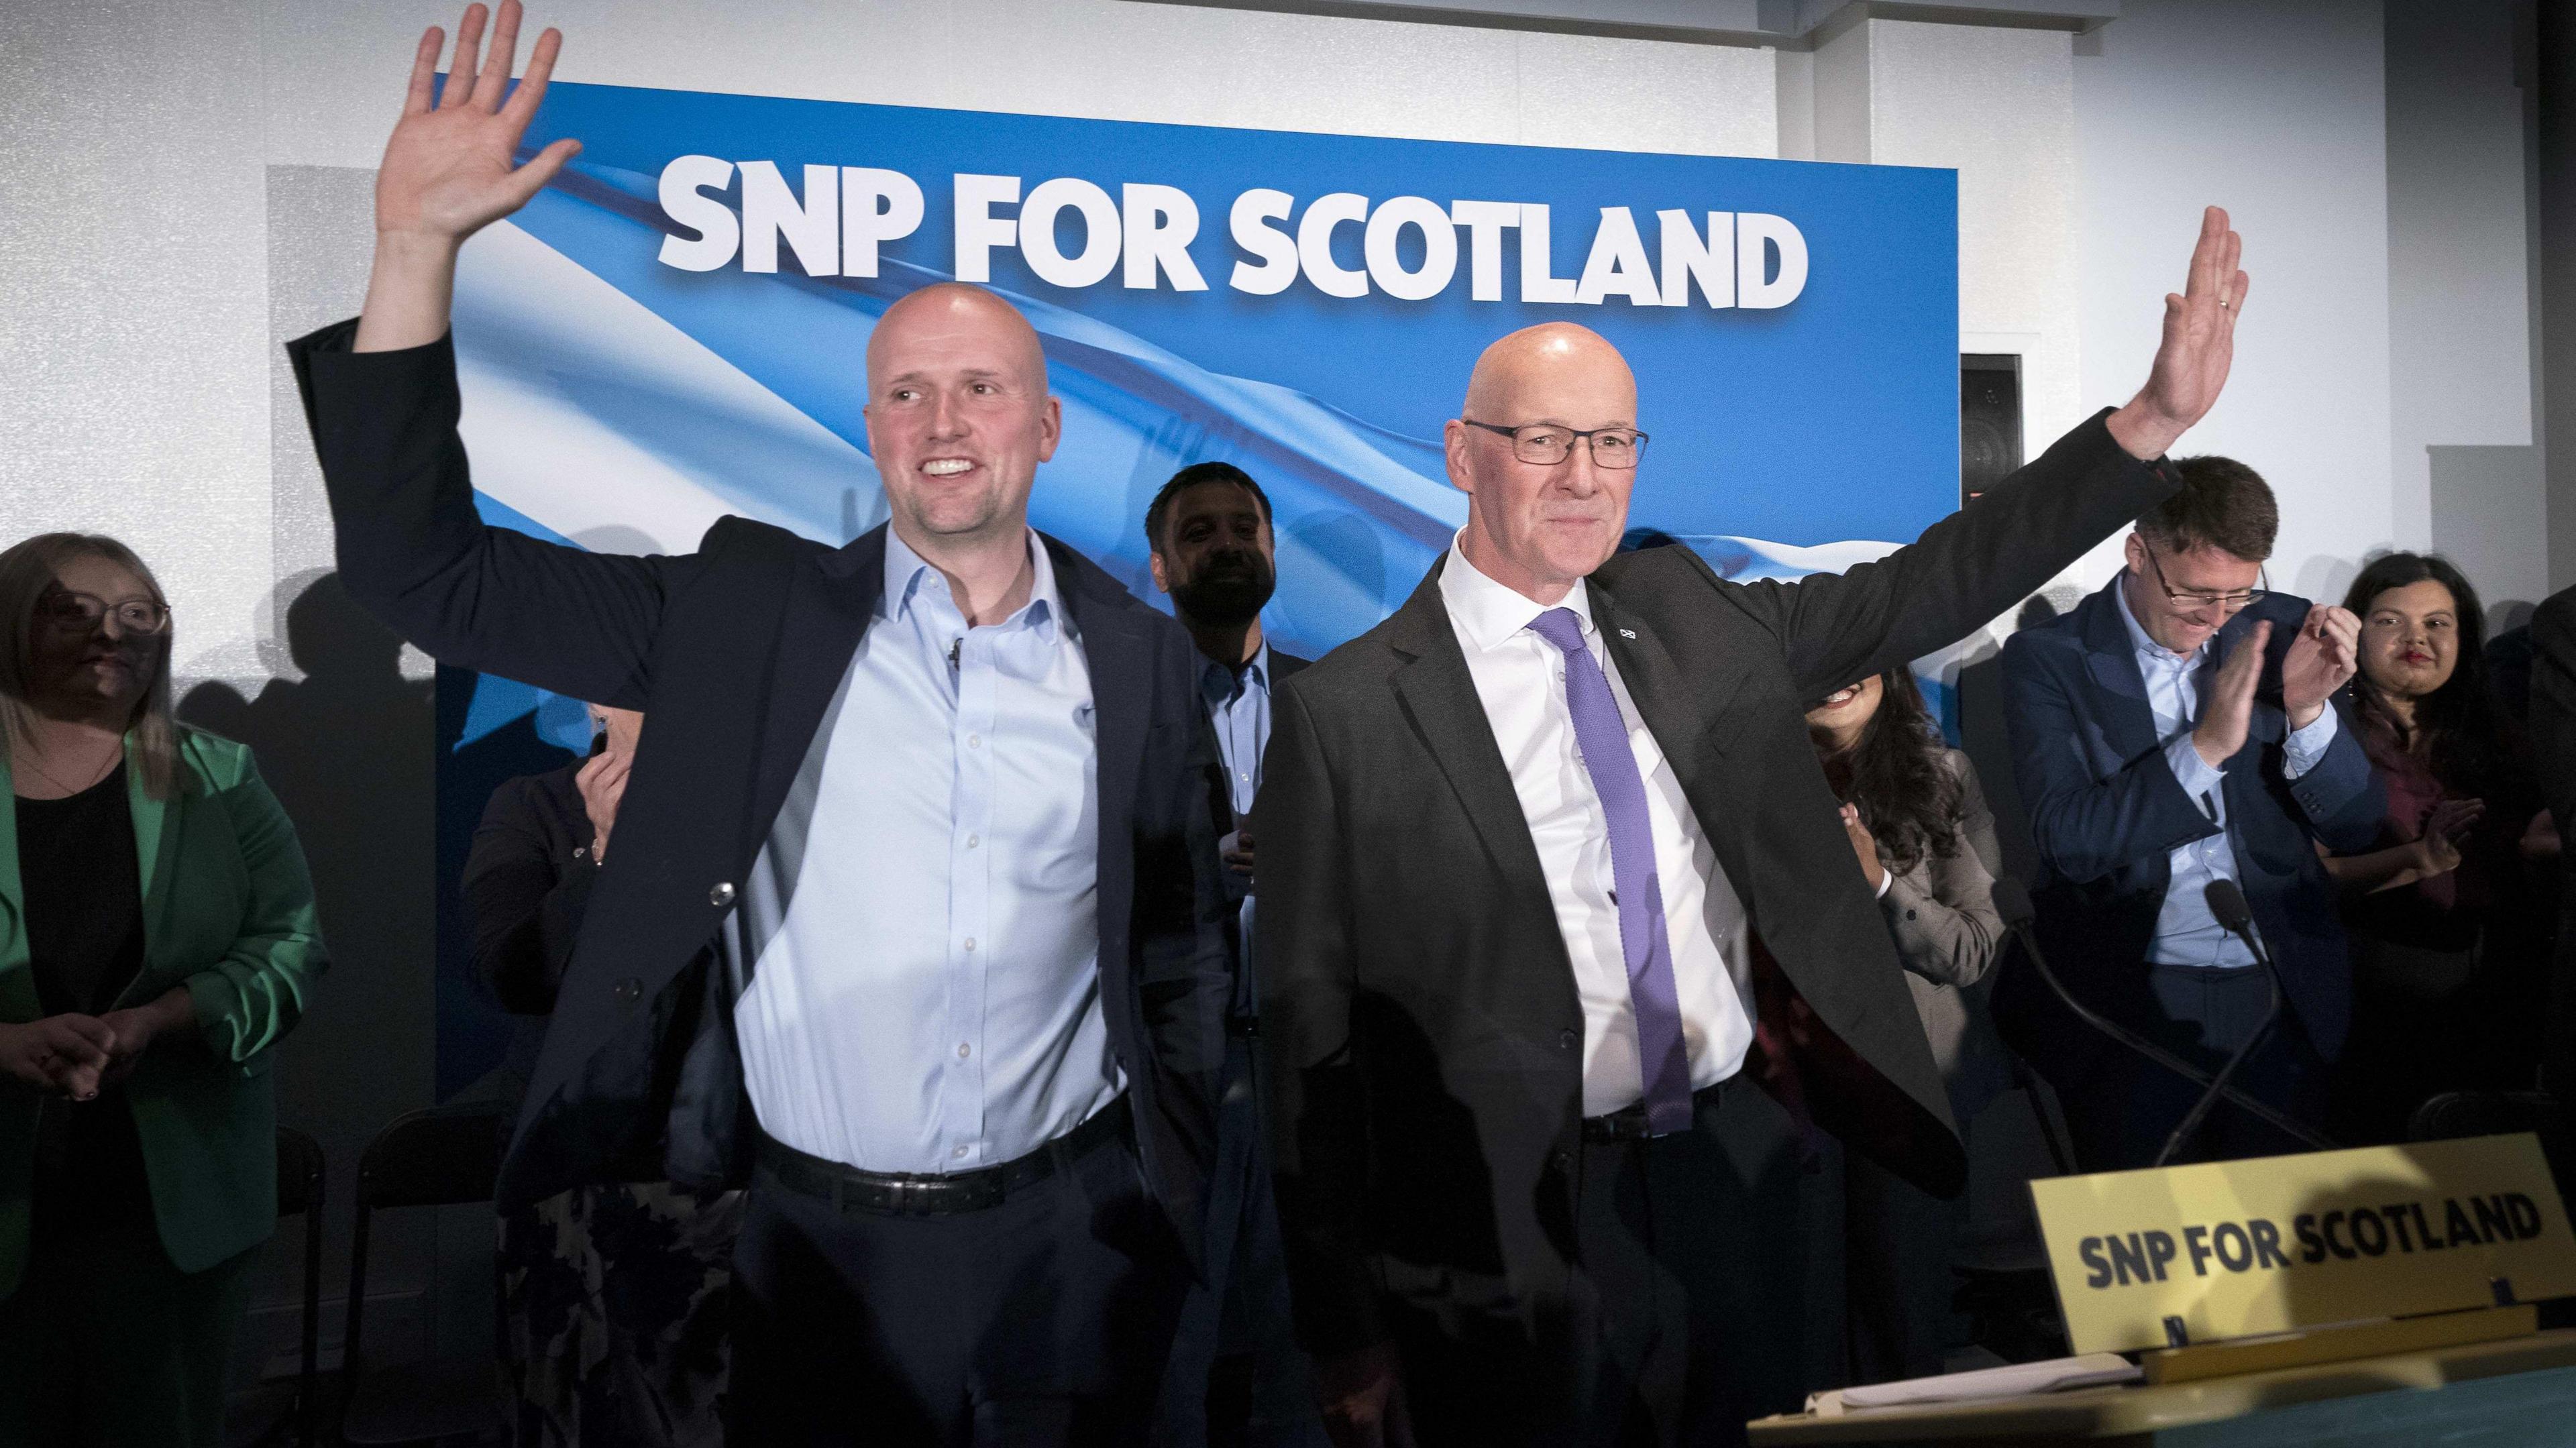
(1209, 528)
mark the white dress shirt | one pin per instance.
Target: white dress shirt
(2186, 933)
(926, 996)
(1520, 677)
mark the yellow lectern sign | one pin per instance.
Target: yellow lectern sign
(2245, 1247)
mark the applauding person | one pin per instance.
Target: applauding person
(1923, 835)
(2448, 909)
(616, 1294)
(2175, 729)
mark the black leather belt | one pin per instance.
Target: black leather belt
(906, 1194)
(1628, 1123)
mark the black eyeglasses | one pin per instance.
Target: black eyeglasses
(1547, 444)
(84, 612)
(2201, 603)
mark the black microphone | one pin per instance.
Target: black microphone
(2012, 902)
(2227, 903)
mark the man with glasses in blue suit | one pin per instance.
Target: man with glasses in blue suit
(2174, 729)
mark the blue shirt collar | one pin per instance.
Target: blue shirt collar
(1219, 682)
(907, 573)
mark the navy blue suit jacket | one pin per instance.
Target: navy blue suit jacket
(2106, 814)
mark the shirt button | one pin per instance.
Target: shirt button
(961, 1151)
(963, 1051)
(721, 895)
(970, 942)
(973, 840)
(974, 741)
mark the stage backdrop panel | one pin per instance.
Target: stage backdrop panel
(675, 330)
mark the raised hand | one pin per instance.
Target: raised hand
(2228, 712)
(2199, 345)
(451, 169)
(2320, 660)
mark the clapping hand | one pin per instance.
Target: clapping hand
(2228, 713)
(452, 169)
(2198, 346)
(1863, 844)
(2437, 851)
(602, 783)
(2321, 659)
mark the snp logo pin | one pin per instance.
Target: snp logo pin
(1629, 634)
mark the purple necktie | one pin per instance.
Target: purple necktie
(1603, 737)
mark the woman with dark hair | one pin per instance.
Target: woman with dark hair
(1919, 824)
(2447, 932)
(157, 939)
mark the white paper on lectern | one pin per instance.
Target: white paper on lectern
(2012, 1380)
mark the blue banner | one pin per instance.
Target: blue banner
(675, 329)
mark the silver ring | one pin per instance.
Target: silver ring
(2222, 304)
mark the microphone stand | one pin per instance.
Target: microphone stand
(2012, 901)
(2227, 902)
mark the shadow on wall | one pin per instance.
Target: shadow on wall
(347, 749)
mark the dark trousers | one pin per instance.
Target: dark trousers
(2121, 1113)
(1898, 1281)
(1685, 1313)
(1043, 1319)
(1237, 1375)
(105, 1343)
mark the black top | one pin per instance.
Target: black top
(84, 893)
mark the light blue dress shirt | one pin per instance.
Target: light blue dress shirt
(1239, 710)
(2186, 933)
(926, 994)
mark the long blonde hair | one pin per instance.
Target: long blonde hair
(27, 569)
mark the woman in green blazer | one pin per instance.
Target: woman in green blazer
(157, 938)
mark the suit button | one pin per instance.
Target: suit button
(1909, 914)
(628, 990)
(1565, 1161)
(1567, 1040)
(721, 895)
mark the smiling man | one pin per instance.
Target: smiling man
(1562, 938)
(914, 922)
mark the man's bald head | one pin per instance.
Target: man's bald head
(1538, 528)
(958, 416)
(1551, 362)
(959, 309)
